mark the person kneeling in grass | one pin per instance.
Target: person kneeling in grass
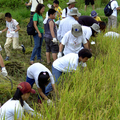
(13, 109)
(69, 62)
(39, 74)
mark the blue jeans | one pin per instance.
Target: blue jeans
(56, 73)
(37, 47)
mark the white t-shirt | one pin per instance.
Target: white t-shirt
(112, 34)
(114, 5)
(34, 70)
(12, 108)
(34, 4)
(11, 27)
(87, 32)
(65, 26)
(67, 63)
(64, 12)
(72, 44)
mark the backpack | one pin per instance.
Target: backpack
(108, 10)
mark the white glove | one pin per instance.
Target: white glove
(49, 102)
(0, 32)
(55, 40)
(84, 65)
(4, 72)
(59, 54)
(13, 32)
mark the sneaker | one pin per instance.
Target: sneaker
(23, 48)
(7, 58)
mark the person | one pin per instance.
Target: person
(12, 28)
(33, 4)
(72, 41)
(69, 62)
(87, 3)
(112, 19)
(71, 4)
(38, 37)
(95, 16)
(89, 21)
(58, 11)
(41, 76)
(90, 31)
(112, 34)
(66, 24)
(14, 108)
(51, 37)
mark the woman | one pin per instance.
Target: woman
(41, 76)
(14, 108)
(38, 37)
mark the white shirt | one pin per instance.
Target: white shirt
(64, 12)
(112, 34)
(114, 5)
(34, 70)
(87, 32)
(34, 4)
(65, 26)
(72, 44)
(12, 108)
(11, 27)
(67, 63)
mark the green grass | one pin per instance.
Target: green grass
(91, 93)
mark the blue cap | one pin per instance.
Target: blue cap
(93, 14)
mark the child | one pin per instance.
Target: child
(94, 15)
(15, 107)
(50, 37)
(12, 28)
(58, 11)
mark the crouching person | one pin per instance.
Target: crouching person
(41, 76)
(14, 108)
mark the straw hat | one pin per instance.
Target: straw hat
(71, 2)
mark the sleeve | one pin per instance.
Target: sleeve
(63, 13)
(84, 40)
(65, 38)
(6, 24)
(15, 22)
(35, 17)
(27, 108)
(88, 35)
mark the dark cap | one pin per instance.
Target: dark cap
(25, 87)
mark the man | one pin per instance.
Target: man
(66, 24)
(87, 3)
(71, 4)
(72, 41)
(69, 62)
(112, 19)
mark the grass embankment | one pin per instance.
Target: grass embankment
(92, 93)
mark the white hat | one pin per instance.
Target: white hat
(95, 27)
(76, 30)
(74, 11)
(71, 2)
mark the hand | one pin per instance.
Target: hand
(0, 32)
(49, 102)
(39, 34)
(4, 72)
(59, 54)
(55, 40)
(12, 33)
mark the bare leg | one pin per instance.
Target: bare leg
(48, 57)
(93, 7)
(54, 55)
(85, 7)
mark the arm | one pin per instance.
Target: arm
(36, 28)
(118, 8)
(28, 4)
(1, 61)
(18, 28)
(51, 25)
(42, 94)
(87, 45)
(5, 29)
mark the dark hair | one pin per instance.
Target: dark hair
(51, 11)
(17, 96)
(102, 25)
(38, 8)
(56, 2)
(43, 79)
(84, 53)
(8, 15)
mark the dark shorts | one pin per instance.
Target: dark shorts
(50, 46)
(87, 2)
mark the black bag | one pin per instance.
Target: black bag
(108, 10)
